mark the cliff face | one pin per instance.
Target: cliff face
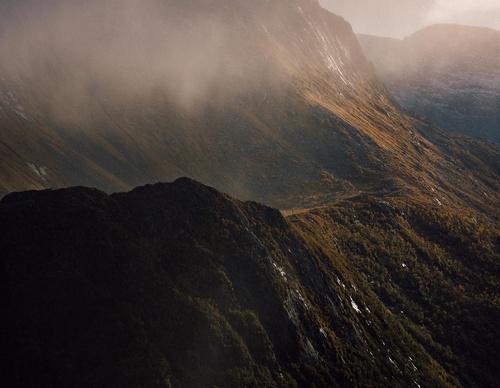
(446, 73)
(271, 101)
(114, 94)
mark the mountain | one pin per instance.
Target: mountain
(180, 285)
(271, 101)
(447, 73)
(381, 269)
(224, 92)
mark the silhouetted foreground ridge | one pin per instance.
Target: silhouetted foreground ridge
(180, 285)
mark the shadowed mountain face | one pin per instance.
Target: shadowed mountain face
(272, 101)
(115, 94)
(177, 284)
(447, 73)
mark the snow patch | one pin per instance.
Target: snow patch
(394, 363)
(355, 306)
(412, 364)
(40, 171)
(302, 299)
(280, 270)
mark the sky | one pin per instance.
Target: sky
(400, 18)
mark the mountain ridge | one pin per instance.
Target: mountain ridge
(316, 117)
(315, 125)
(175, 221)
(447, 73)
(194, 287)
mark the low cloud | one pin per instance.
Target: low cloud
(476, 13)
(76, 51)
(398, 18)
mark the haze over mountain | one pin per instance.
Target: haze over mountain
(382, 271)
(447, 73)
(272, 101)
(398, 19)
(171, 90)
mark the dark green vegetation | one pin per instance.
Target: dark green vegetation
(178, 284)
(437, 271)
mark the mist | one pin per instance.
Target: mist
(73, 53)
(398, 19)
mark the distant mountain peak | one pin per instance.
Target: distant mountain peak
(273, 102)
(448, 73)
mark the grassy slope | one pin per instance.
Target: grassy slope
(191, 286)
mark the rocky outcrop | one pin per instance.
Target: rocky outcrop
(180, 285)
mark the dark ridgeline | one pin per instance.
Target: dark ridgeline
(178, 284)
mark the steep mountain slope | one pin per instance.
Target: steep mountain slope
(179, 284)
(448, 73)
(218, 96)
(436, 270)
(271, 101)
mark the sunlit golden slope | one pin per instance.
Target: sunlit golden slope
(272, 101)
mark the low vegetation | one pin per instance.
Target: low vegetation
(180, 285)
